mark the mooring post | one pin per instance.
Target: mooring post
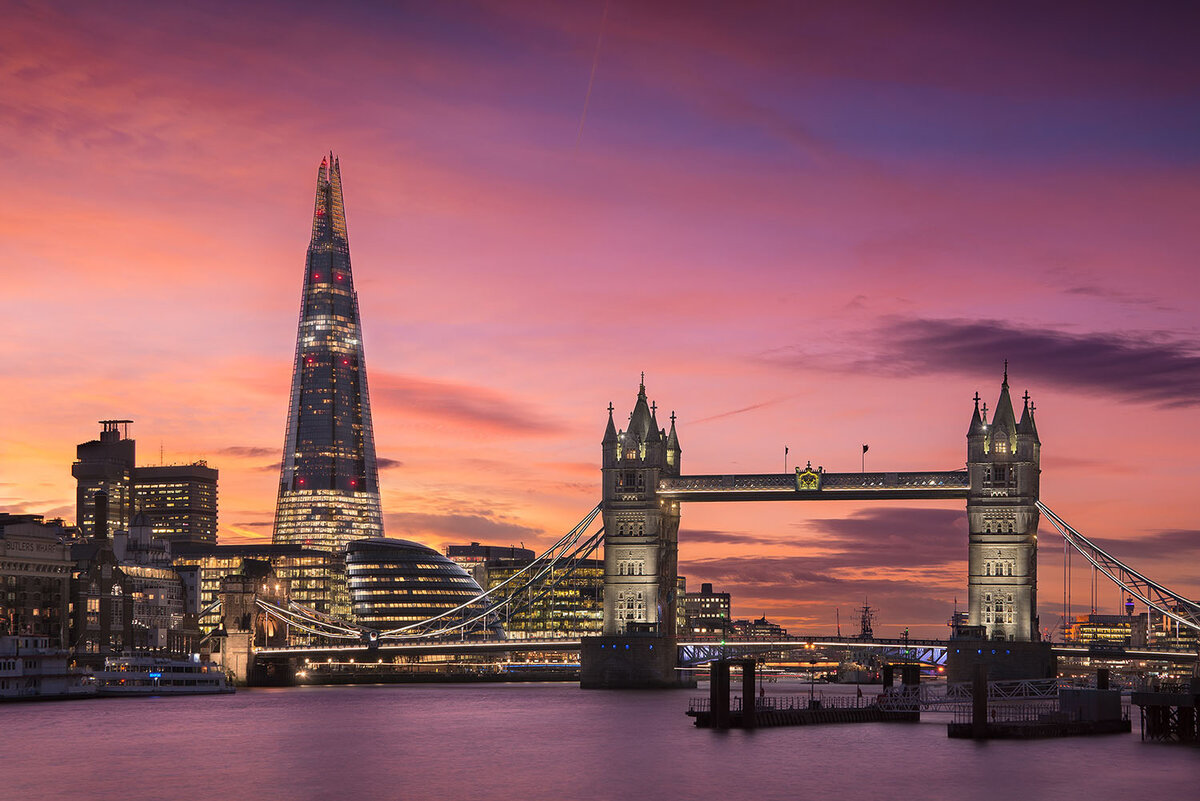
(749, 710)
(718, 689)
(979, 703)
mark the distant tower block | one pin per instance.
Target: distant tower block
(641, 532)
(1003, 460)
(329, 483)
(105, 465)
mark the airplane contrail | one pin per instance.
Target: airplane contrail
(587, 99)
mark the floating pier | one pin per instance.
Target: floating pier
(1169, 712)
(721, 711)
(796, 711)
(1075, 712)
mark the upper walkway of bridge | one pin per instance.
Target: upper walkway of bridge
(809, 485)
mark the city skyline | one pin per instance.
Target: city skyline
(804, 245)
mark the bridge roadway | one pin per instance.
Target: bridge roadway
(710, 648)
(818, 486)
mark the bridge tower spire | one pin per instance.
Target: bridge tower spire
(1004, 465)
(641, 533)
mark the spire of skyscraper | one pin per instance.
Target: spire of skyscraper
(328, 483)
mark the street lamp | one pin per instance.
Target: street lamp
(812, 676)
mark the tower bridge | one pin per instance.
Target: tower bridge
(643, 490)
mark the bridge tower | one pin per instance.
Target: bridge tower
(641, 531)
(1003, 461)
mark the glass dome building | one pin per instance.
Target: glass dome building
(394, 583)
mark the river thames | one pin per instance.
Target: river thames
(534, 742)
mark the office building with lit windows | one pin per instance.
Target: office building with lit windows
(475, 558)
(316, 578)
(565, 604)
(105, 465)
(328, 484)
(760, 628)
(1094, 629)
(179, 500)
(706, 612)
(394, 583)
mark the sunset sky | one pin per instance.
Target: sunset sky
(812, 225)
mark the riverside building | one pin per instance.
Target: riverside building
(35, 578)
(563, 605)
(476, 558)
(316, 578)
(394, 583)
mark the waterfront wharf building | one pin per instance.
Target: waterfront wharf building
(1004, 462)
(180, 501)
(328, 484)
(35, 578)
(316, 578)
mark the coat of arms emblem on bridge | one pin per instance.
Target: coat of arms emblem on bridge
(808, 480)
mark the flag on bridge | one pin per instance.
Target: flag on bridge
(865, 448)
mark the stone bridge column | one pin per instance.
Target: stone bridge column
(641, 535)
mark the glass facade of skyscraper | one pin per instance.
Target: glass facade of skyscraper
(328, 485)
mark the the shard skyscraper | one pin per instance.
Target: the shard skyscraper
(328, 484)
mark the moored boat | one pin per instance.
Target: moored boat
(140, 675)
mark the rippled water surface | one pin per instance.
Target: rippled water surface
(533, 742)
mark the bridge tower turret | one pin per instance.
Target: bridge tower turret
(641, 532)
(1004, 464)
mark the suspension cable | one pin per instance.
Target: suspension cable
(552, 554)
(581, 553)
(1141, 587)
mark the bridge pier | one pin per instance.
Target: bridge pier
(1004, 660)
(631, 662)
(718, 693)
(244, 629)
